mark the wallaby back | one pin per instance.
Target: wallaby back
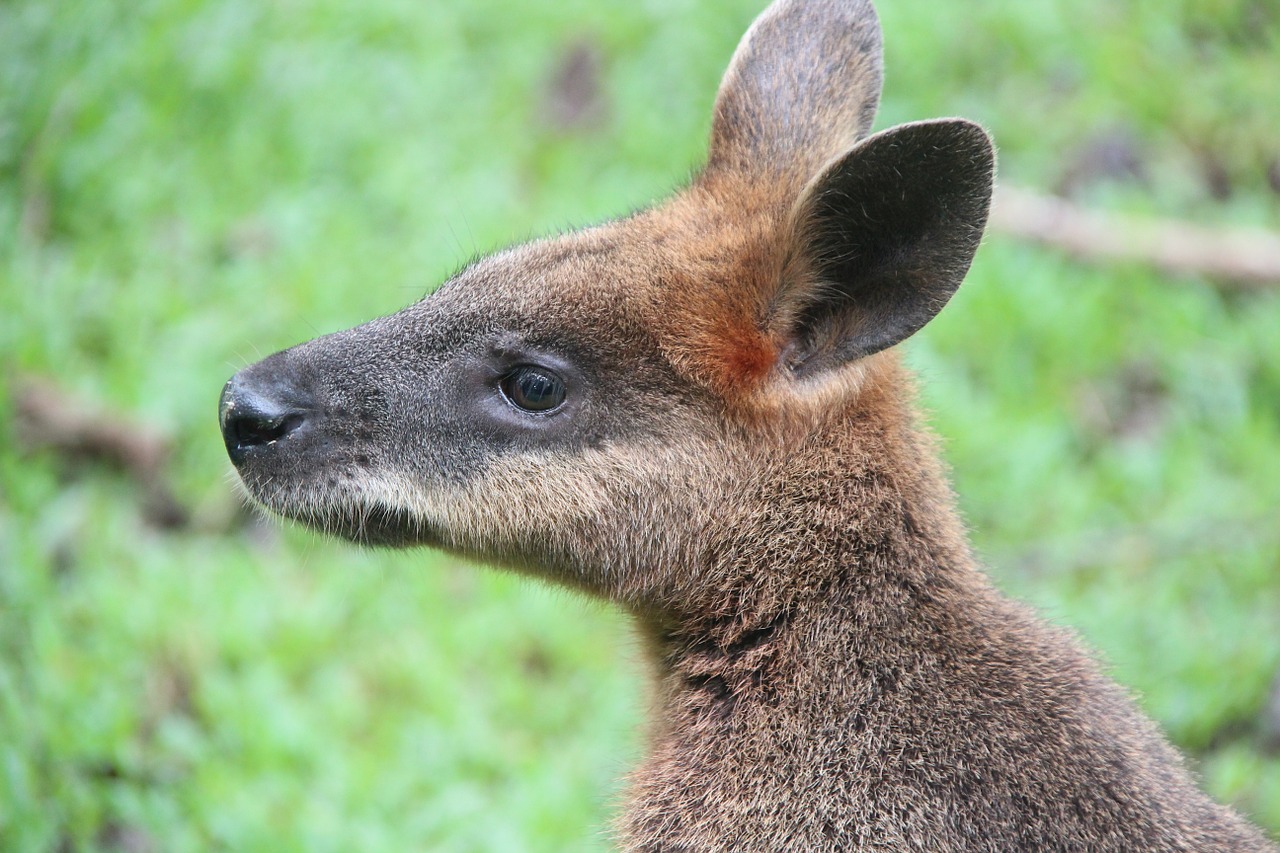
(696, 412)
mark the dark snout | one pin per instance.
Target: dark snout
(311, 429)
(262, 407)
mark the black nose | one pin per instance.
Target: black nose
(256, 413)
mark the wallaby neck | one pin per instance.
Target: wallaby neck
(809, 695)
(860, 558)
(856, 514)
(870, 611)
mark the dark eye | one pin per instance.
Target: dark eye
(534, 389)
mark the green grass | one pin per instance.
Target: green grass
(185, 186)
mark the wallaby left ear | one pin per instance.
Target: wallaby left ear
(881, 239)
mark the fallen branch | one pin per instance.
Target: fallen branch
(1239, 258)
(49, 419)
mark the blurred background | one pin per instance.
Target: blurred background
(186, 186)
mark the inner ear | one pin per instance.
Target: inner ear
(881, 239)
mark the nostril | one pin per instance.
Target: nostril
(255, 413)
(248, 429)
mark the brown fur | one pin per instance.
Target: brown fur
(737, 464)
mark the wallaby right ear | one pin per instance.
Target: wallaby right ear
(880, 241)
(803, 86)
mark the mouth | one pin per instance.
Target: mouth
(380, 527)
(347, 513)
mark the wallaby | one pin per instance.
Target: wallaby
(696, 412)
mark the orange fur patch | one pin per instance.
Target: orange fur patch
(741, 355)
(720, 269)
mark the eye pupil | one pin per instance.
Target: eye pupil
(534, 389)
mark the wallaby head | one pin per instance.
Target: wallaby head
(696, 412)
(598, 406)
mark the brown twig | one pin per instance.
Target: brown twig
(49, 419)
(1238, 258)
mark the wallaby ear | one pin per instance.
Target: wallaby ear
(803, 86)
(881, 239)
